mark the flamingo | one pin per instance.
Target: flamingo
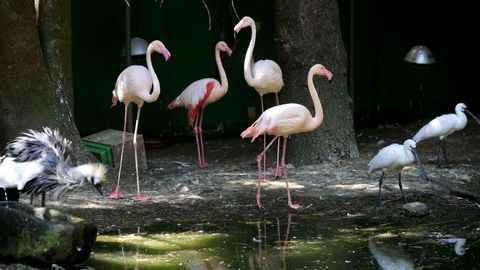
(444, 125)
(198, 95)
(395, 157)
(39, 161)
(133, 85)
(265, 76)
(284, 120)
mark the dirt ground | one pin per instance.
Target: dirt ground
(178, 190)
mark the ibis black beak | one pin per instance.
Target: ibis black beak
(99, 188)
(423, 173)
(473, 116)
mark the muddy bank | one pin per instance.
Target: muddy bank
(177, 190)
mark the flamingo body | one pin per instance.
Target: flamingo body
(267, 77)
(133, 81)
(284, 120)
(134, 84)
(281, 120)
(196, 96)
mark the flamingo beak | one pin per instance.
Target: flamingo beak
(238, 27)
(473, 116)
(114, 101)
(329, 75)
(166, 54)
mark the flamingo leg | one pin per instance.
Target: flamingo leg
(379, 198)
(264, 179)
(277, 173)
(259, 162)
(203, 164)
(292, 205)
(139, 196)
(117, 194)
(197, 139)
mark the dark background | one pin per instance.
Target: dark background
(377, 35)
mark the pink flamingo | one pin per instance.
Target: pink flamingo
(133, 85)
(284, 120)
(201, 93)
(265, 76)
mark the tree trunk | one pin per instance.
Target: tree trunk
(35, 70)
(308, 32)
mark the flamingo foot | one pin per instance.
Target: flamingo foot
(117, 194)
(139, 198)
(294, 205)
(259, 203)
(204, 165)
(277, 173)
(264, 179)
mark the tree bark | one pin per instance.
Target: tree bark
(35, 70)
(308, 32)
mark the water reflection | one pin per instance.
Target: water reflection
(459, 246)
(389, 253)
(266, 256)
(291, 242)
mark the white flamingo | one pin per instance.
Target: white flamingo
(395, 157)
(134, 85)
(201, 93)
(265, 76)
(444, 125)
(284, 120)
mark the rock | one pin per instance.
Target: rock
(114, 138)
(42, 236)
(415, 209)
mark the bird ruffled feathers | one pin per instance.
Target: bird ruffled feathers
(48, 153)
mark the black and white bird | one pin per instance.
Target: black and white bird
(39, 161)
(444, 125)
(395, 157)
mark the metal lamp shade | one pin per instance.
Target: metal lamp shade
(138, 46)
(419, 55)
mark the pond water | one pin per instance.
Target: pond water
(293, 242)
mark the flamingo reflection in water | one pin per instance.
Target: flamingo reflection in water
(269, 257)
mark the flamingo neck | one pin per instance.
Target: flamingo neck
(247, 65)
(221, 71)
(318, 118)
(156, 84)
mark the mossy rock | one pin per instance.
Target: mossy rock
(42, 236)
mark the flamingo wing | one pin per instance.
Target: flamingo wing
(194, 97)
(132, 79)
(281, 120)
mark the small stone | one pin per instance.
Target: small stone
(415, 209)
